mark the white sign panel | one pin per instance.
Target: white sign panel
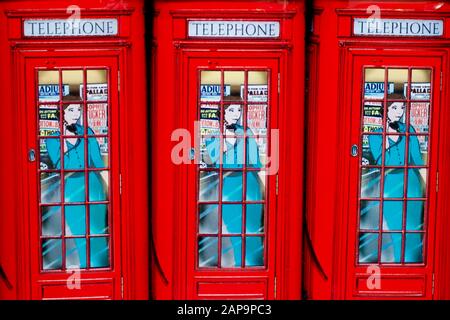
(419, 91)
(95, 92)
(233, 29)
(70, 27)
(398, 27)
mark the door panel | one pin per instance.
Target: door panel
(231, 222)
(71, 113)
(395, 103)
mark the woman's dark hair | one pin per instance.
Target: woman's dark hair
(70, 98)
(395, 96)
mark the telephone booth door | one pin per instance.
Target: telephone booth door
(231, 215)
(395, 111)
(70, 234)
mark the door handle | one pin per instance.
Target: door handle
(354, 150)
(5, 278)
(31, 155)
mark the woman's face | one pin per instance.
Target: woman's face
(72, 113)
(232, 114)
(396, 111)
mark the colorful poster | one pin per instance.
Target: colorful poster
(375, 90)
(50, 92)
(98, 122)
(419, 116)
(211, 92)
(95, 92)
(256, 93)
(419, 91)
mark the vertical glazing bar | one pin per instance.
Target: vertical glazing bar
(244, 171)
(268, 148)
(221, 140)
(86, 165)
(111, 243)
(61, 149)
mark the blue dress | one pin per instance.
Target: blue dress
(394, 188)
(75, 191)
(232, 190)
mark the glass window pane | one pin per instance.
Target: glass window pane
(48, 120)
(418, 150)
(233, 122)
(394, 183)
(374, 83)
(414, 248)
(97, 88)
(234, 79)
(208, 218)
(210, 87)
(395, 150)
(254, 251)
(368, 248)
(254, 218)
(392, 215)
(417, 183)
(232, 186)
(98, 152)
(231, 218)
(370, 183)
(75, 220)
(415, 215)
(373, 116)
(209, 186)
(256, 190)
(98, 185)
(73, 78)
(98, 219)
(51, 254)
(51, 220)
(372, 146)
(74, 153)
(257, 119)
(74, 187)
(207, 252)
(391, 248)
(369, 215)
(255, 158)
(99, 247)
(49, 154)
(231, 252)
(421, 84)
(76, 253)
(209, 119)
(48, 87)
(50, 187)
(97, 118)
(419, 117)
(400, 78)
(257, 86)
(210, 152)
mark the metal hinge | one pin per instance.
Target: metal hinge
(118, 80)
(441, 80)
(276, 185)
(432, 284)
(279, 83)
(437, 181)
(275, 287)
(121, 286)
(120, 183)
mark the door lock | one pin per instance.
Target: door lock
(31, 155)
(354, 150)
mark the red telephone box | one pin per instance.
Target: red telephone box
(227, 190)
(378, 120)
(75, 202)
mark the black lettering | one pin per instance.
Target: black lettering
(262, 29)
(247, 31)
(205, 29)
(86, 30)
(229, 28)
(99, 27)
(212, 30)
(417, 29)
(426, 27)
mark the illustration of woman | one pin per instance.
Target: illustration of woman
(75, 188)
(394, 181)
(233, 158)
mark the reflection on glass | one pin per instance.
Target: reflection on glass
(369, 215)
(74, 187)
(399, 77)
(417, 155)
(254, 222)
(48, 87)
(232, 186)
(231, 218)
(45, 161)
(371, 149)
(99, 247)
(254, 251)
(231, 252)
(370, 183)
(209, 186)
(51, 254)
(414, 248)
(416, 183)
(50, 187)
(76, 253)
(207, 252)
(368, 247)
(97, 86)
(392, 215)
(98, 185)
(51, 221)
(372, 116)
(73, 78)
(210, 87)
(75, 220)
(374, 83)
(415, 215)
(98, 159)
(208, 217)
(394, 183)
(256, 190)
(98, 219)
(391, 247)
(235, 79)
